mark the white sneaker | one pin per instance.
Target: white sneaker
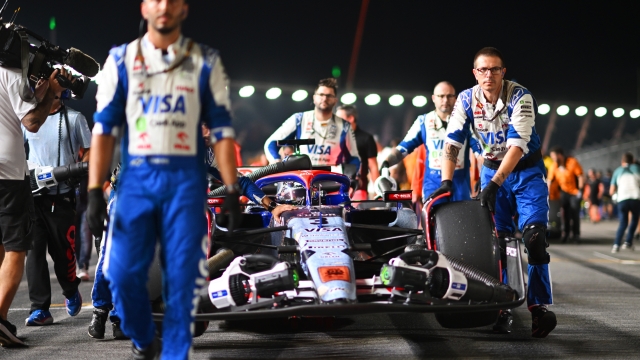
(627, 246)
(83, 275)
(615, 249)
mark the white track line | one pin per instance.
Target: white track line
(619, 261)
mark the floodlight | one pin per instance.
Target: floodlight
(544, 109)
(562, 110)
(419, 101)
(299, 95)
(396, 100)
(601, 111)
(273, 93)
(246, 91)
(348, 98)
(618, 112)
(372, 99)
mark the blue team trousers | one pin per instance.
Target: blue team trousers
(166, 206)
(525, 192)
(100, 293)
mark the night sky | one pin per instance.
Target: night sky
(562, 51)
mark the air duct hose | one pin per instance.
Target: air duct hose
(301, 163)
(218, 261)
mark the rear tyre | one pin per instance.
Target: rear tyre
(465, 230)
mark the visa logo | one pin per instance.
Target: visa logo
(437, 144)
(458, 286)
(153, 104)
(217, 294)
(494, 138)
(319, 149)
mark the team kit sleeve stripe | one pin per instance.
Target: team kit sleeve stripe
(413, 139)
(225, 132)
(521, 123)
(216, 105)
(285, 131)
(459, 124)
(111, 96)
(353, 157)
(474, 144)
(249, 189)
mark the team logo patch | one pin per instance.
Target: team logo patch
(464, 97)
(141, 124)
(517, 94)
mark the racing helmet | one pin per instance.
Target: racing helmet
(290, 192)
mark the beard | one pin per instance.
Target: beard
(167, 28)
(323, 107)
(446, 109)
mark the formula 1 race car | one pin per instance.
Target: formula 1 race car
(333, 256)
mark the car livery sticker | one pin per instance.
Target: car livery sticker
(322, 241)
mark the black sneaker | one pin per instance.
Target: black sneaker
(117, 331)
(152, 352)
(543, 321)
(503, 325)
(98, 321)
(8, 334)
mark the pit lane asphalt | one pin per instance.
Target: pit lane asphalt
(597, 295)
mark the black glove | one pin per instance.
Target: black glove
(231, 207)
(488, 196)
(445, 187)
(96, 211)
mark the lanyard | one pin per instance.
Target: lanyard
(140, 58)
(504, 104)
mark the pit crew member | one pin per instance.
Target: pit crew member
(335, 140)
(430, 130)
(367, 150)
(501, 114)
(157, 91)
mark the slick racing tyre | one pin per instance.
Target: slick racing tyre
(465, 230)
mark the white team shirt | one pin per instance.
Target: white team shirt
(335, 140)
(13, 163)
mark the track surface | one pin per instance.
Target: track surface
(596, 295)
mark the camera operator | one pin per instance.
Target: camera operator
(16, 205)
(57, 143)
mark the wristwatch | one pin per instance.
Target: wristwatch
(272, 205)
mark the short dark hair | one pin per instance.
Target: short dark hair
(557, 149)
(350, 110)
(627, 158)
(330, 83)
(488, 51)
